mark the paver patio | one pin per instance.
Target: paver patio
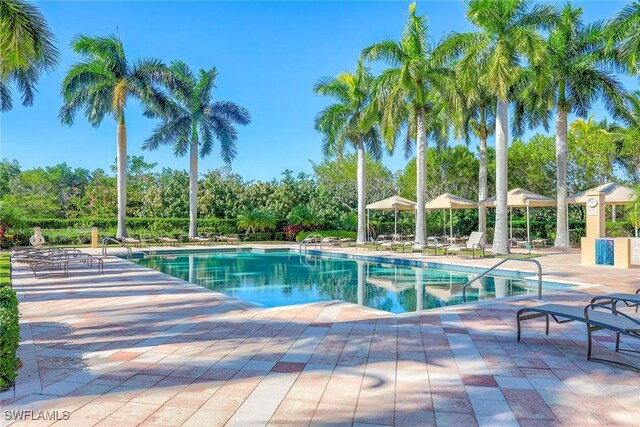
(134, 346)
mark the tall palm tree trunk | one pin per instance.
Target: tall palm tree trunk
(562, 217)
(500, 242)
(193, 189)
(482, 181)
(421, 175)
(121, 155)
(362, 193)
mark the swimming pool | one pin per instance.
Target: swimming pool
(286, 278)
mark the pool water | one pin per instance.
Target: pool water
(279, 279)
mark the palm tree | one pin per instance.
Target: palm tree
(27, 50)
(351, 121)
(254, 220)
(477, 118)
(192, 122)
(101, 85)
(623, 36)
(629, 143)
(507, 38)
(411, 96)
(573, 75)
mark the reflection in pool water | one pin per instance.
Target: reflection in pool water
(278, 279)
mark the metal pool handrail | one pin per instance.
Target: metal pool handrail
(536, 262)
(123, 244)
(311, 239)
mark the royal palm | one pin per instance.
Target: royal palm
(26, 50)
(508, 38)
(411, 95)
(101, 84)
(573, 75)
(192, 122)
(623, 36)
(349, 122)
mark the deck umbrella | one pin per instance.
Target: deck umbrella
(393, 203)
(450, 201)
(521, 198)
(614, 194)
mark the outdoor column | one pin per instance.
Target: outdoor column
(511, 223)
(450, 223)
(528, 240)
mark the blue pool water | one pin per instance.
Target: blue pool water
(278, 279)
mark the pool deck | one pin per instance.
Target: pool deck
(136, 347)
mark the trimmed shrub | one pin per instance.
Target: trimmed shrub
(9, 325)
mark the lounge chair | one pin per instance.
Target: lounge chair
(435, 245)
(474, 243)
(347, 241)
(131, 241)
(228, 239)
(60, 259)
(168, 241)
(596, 315)
(329, 241)
(200, 240)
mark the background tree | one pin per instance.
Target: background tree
(411, 96)
(475, 118)
(101, 84)
(27, 50)
(623, 36)
(254, 220)
(507, 38)
(574, 74)
(349, 121)
(193, 121)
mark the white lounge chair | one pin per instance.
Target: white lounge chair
(474, 243)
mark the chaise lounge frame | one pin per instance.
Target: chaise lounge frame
(611, 319)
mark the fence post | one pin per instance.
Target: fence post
(94, 237)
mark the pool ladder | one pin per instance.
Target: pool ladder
(534, 261)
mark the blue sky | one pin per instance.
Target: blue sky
(268, 55)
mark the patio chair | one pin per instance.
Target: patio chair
(434, 244)
(596, 315)
(347, 241)
(131, 241)
(61, 260)
(329, 241)
(168, 241)
(198, 240)
(474, 243)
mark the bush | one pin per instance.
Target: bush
(291, 231)
(340, 234)
(9, 325)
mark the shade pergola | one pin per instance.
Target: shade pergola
(393, 203)
(450, 201)
(614, 194)
(521, 198)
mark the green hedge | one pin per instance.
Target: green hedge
(340, 234)
(151, 224)
(9, 325)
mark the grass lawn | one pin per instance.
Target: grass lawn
(5, 269)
